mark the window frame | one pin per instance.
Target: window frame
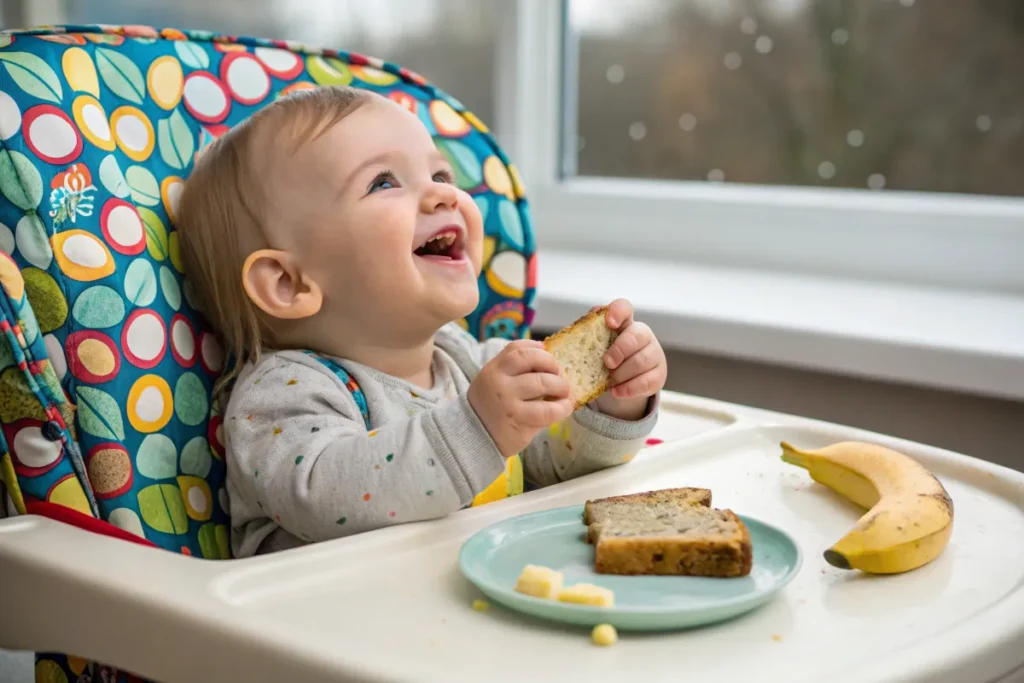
(930, 239)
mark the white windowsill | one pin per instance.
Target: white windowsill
(964, 341)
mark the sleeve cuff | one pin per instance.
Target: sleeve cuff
(620, 430)
(471, 458)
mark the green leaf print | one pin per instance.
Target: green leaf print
(170, 288)
(156, 234)
(16, 399)
(191, 55)
(157, 457)
(208, 541)
(468, 171)
(328, 70)
(33, 242)
(121, 75)
(191, 399)
(140, 282)
(47, 299)
(223, 541)
(195, 458)
(33, 75)
(99, 414)
(177, 144)
(163, 509)
(98, 307)
(112, 178)
(19, 180)
(143, 186)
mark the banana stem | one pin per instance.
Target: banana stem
(790, 455)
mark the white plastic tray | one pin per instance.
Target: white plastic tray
(391, 605)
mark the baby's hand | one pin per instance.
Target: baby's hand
(518, 393)
(637, 362)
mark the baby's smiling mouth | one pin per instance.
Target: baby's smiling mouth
(444, 245)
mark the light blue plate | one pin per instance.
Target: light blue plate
(493, 557)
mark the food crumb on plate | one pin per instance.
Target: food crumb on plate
(481, 605)
(777, 638)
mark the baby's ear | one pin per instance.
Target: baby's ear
(275, 283)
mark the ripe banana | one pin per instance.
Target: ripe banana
(910, 515)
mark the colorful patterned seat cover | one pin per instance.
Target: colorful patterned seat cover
(105, 367)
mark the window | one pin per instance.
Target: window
(449, 41)
(870, 139)
(873, 94)
(879, 139)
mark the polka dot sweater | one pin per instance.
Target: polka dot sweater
(304, 465)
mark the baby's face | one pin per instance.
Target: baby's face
(394, 245)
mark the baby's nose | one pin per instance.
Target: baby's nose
(440, 196)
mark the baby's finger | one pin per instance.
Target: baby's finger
(540, 385)
(640, 362)
(518, 359)
(646, 384)
(619, 315)
(545, 413)
(631, 340)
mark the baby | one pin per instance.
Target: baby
(330, 248)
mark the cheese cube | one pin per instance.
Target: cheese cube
(604, 635)
(539, 582)
(587, 594)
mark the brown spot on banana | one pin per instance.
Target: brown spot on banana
(942, 497)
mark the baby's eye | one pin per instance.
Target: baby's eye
(383, 181)
(445, 176)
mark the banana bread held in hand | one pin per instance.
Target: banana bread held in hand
(671, 532)
(579, 350)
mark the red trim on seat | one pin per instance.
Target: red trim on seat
(75, 518)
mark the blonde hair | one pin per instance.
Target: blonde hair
(221, 215)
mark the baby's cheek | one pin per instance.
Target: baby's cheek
(471, 214)
(474, 229)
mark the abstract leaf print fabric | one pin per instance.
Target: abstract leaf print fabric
(106, 368)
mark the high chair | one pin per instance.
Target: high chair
(112, 450)
(107, 368)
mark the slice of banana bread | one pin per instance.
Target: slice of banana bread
(692, 541)
(663, 502)
(579, 350)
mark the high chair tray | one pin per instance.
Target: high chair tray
(392, 606)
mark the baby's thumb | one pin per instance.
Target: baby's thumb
(565, 408)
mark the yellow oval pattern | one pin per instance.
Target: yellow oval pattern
(447, 120)
(80, 71)
(150, 404)
(82, 256)
(10, 278)
(174, 247)
(170, 190)
(497, 178)
(68, 492)
(369, 74)
(92, 121)
(507, 274)
(197, 496)
(96, 357)
(165, 82)
(133, 132)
